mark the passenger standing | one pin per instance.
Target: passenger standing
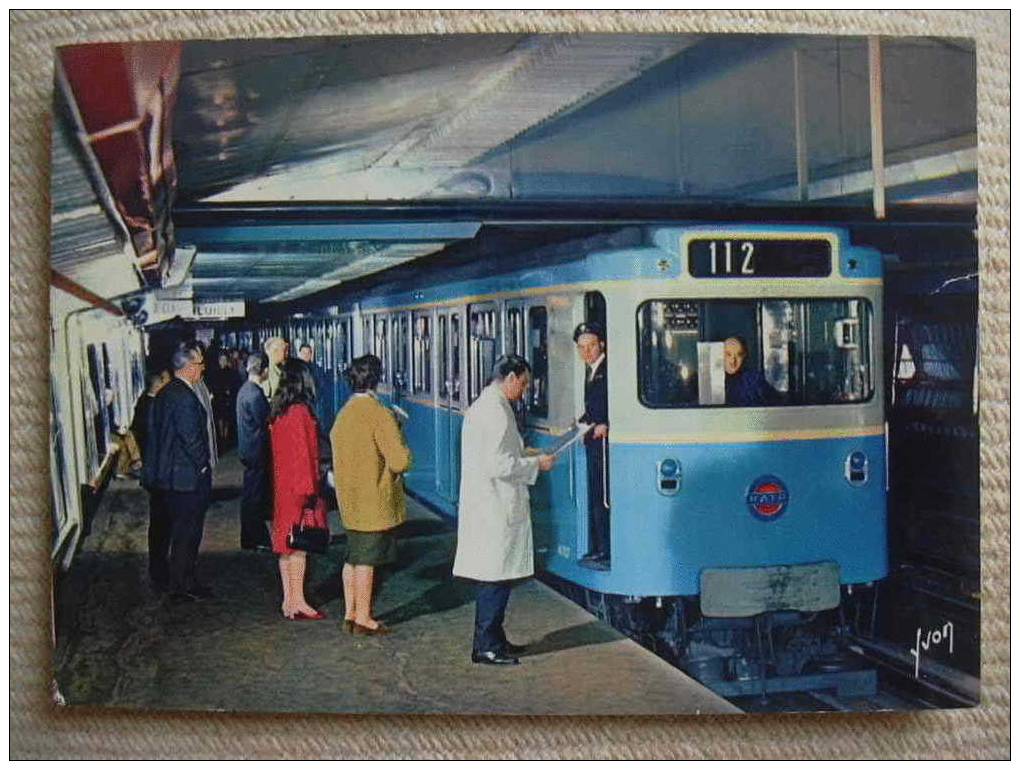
(323, 407)
(295, 451)
(591, 346)
(202, 390)
(155, 380)
(369, 457)
(177, 472)
(224, 384)
(277, 350)
(494, 541)
(253, 450)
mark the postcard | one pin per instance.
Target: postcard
(516, 374)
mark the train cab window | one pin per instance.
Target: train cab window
(421, 365)
(483, 341)
(538, 357)
(753, 353)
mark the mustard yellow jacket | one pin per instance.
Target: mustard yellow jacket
(369, 455)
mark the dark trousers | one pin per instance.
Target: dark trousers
(159, 540)
(598, 498)
(490, 610)
(180, 521)
(256, 506)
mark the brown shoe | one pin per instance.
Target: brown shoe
(381, 630)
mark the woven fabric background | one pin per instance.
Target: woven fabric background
(40, 729)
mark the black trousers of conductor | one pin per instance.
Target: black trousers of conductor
(176, 524)
(490, 610)
(256, 506)
(598, 498)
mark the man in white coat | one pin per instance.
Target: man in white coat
(494, 544)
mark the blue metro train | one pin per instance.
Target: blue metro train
(740, 536)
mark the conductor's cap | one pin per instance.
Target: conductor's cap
(589, 327)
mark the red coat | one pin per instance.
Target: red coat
(295, 441)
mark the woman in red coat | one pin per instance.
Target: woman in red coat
(294, 435)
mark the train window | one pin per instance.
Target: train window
(444, 355)
(382, 348)
(754, 352)
(455, 358)
(422, 355)
(399, 326)
(484, 337)
(514, 331)
(538, 357)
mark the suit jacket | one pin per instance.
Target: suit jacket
(596, 396)
(252, 425)
(177, 447)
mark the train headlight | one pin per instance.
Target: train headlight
(856, 468)
(668, 476)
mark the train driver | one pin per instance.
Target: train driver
(591, 347)
(745, 386)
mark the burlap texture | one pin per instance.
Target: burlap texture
(40, 729)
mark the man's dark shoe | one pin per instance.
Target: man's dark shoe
(492, 658)
(182, 598)
(515, 650)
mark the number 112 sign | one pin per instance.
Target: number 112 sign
(747, 257)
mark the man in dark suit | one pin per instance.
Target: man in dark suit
(178, 474)
(591, 346)
(253, 449)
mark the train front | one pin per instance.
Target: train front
(748, 449)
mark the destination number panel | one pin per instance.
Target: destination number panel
(745, 257)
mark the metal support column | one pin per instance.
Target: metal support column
(877, 143)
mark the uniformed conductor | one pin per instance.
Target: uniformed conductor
(590, 339)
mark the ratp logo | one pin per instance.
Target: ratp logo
(767, 497)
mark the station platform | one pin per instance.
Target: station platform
(119, 644)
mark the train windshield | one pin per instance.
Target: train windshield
(754, 353)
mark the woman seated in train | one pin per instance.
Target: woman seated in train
(369, 457)
(294, 439)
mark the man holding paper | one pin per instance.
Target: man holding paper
(591, 346)
(494, 543)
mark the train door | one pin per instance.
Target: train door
(449, 401)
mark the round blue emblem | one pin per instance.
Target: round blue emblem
(767, 497)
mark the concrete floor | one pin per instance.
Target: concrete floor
(118, 644)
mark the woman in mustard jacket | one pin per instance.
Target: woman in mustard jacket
(369, 456)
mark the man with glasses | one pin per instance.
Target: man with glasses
(177, 472)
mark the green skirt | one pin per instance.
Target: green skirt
(371, 548)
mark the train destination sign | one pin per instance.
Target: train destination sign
(743, 257)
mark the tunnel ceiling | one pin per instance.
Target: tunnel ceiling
(510, 118)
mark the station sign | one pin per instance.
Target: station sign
(751, 256)
(219, 309)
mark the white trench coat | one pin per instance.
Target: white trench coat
(494, 515)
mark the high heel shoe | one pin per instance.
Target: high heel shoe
(317, 615)
(348, 626)
(380, 630)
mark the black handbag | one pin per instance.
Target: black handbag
(308, 535)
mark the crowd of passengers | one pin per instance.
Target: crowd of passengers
(276, 415)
